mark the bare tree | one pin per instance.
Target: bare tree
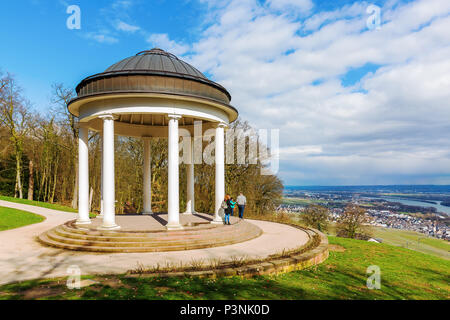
(14, 115)
(353, 223)
(30, 180)
(61, 99)
(316, 216)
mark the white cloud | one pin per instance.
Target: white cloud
(122, 26)
(111, 17)
(162, 41)
(349, 11)
(301, 5)
(121, 4)
(296, 151)
(101, 38)
(393, 124)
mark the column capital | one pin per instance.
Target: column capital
(108, 116)
(174, 116)
(221, 125)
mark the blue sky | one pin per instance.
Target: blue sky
(354, 105)
(43, 50)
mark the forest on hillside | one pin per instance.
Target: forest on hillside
(38, 161)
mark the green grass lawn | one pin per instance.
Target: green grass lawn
(53, 206)
(13, 218)
(47, 205)
(405, 274)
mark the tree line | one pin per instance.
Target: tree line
(39, 152)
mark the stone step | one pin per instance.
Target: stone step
(222, 232)
(119, 233)
(181, 242)
(43, 238)
(72, 237)
(83, 230)
(149, 238)
(229, 235)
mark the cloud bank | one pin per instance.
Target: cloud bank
(390, 125)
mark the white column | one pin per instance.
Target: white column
(220, 170)
(173, 209)
(101, 180)
(190, 197)
(109, 213)
(147, 182)
(83, 177)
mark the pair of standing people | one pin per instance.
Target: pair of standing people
(229, 204)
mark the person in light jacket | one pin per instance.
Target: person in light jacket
(232, 204)
(241, 202)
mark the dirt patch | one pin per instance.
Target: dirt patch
(336, 248)
(111, 282)
(162, 289)
(41, 292)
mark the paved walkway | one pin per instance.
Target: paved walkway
(23, 258)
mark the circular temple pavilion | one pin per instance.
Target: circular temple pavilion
(150, 94)
(155, 94)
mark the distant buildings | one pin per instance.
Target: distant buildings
(392, 218)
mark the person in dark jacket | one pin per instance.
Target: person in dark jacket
(229, 208)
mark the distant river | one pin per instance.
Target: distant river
(408, 202)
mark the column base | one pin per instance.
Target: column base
(114, 227)
(191, 212)
(147, 213)
(81, 222)
(174, 227)
(220, 221)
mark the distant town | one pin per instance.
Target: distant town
(397, 207)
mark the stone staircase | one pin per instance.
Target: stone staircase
(71, 237)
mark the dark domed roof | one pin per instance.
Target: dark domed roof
(156, 60)
(154, 76)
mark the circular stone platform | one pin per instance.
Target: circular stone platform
(24, 258)
(147, 233)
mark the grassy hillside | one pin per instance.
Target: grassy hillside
(408, 239)
(13, 218)
(405, 274)
(301, 201)
(415, 241)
